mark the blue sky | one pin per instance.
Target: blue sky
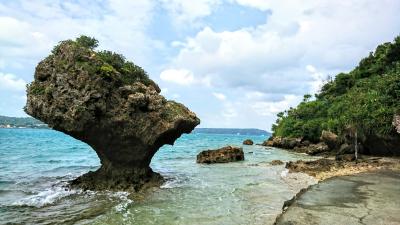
(236, 63)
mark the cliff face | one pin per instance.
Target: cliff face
(112, 106)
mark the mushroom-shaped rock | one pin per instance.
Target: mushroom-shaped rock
(110, 104)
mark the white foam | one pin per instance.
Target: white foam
(45, 197)
(172, 183)
(284, 173)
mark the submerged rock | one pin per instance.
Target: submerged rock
(222, 155)
(276, 162)
(248, 142)
(110, 104)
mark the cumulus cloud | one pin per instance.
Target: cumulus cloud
(180, 76)
(9, 82)
(274, 64)
(219, 96)
(29, 29)
(184, 12)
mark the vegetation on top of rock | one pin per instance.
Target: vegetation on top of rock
(108, 64)
(364, 100)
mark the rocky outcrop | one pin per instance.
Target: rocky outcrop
(248, 142)
(380, 145)
(312, 149)
(110, 104)
(222, 155)
(283, 142)
(297, 145)
(331, 139)
(343, 165)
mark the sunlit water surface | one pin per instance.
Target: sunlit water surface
(36, 164)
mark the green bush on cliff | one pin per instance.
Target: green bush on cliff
(105, 63)
(365, 99)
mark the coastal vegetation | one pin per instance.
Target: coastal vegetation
(20, 122)
(109, 65)
(362, 101)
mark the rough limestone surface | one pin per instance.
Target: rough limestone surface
(312, 149)
(122, 117)
(331, 139)
(222, 155)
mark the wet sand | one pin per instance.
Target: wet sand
(364, 198)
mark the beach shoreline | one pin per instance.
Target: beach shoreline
(325, 169)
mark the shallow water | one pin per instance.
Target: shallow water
(36, 164)
(366, 198)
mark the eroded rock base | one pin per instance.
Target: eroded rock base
(118, 179)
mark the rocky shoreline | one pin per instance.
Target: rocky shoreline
(325, 168)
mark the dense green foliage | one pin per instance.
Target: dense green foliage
(364, 99)
(107, 64)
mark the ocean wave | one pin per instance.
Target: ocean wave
(174, 183)
(46, 197)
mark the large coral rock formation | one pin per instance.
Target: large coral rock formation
(222, 155)
(110, 104)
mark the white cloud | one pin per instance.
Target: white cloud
(164, 91)
(176, 96)
(184, 12)
(178, 76)
(9, 82)
(261, 57)
(29, 29)
(319, 78)
(271, 108)
(219, 96)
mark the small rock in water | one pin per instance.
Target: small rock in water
(276, 162)
(222, 155)
(248, 142)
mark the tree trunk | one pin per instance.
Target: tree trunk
(356, 145)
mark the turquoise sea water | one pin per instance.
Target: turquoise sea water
(36, 164)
